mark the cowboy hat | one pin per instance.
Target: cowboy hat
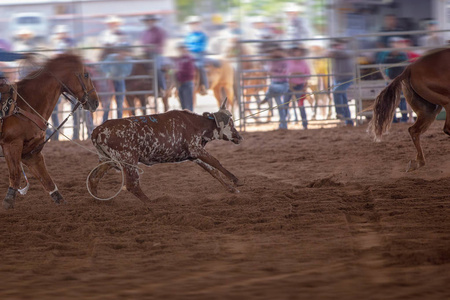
(292, 7)
(193, 19)
(113, 19)
(62, 28)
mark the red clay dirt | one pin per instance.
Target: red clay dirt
(323, 214)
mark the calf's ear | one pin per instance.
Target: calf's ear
(208, 115)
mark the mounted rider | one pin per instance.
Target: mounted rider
(154, 38)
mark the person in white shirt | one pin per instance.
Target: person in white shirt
(112, 36)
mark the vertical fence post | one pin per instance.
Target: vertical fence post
(238, 88)
(155, 81)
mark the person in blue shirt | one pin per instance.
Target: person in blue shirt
(118, 72)
(196, 42)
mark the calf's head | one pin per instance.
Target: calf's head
(225, 129)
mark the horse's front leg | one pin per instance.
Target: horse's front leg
(36, 164)
(12, 153)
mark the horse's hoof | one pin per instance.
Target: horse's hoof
(413, 165)
(8, 203)
(238, 182)
(58, 198)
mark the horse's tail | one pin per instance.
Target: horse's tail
(385, 105)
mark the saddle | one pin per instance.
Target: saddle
(8, 107)
(8, 99)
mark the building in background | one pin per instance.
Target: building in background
(83, 17)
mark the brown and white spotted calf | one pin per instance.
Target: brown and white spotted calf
(174, 136)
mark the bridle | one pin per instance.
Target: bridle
(79, 102)
(86, 93)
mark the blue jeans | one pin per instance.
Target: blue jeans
(200, 64)
(402, 106)
(340, 99)
(119, 87)
(159, 73)
(186, 94)
(297, 91)
(277, 90)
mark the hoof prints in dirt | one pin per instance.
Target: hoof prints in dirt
(324, 182)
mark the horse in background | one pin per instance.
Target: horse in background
(221, 81)
(23, 131)
(425, 86)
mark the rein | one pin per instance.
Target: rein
(85, 98)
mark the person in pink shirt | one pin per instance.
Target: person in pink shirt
(299, 71)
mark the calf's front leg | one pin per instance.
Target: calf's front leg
(213, 166)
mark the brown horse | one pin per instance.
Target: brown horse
(426, 88)
(221, 80)
(23, 132)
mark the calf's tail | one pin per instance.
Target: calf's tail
(98, 144)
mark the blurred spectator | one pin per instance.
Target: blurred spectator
(296, 26)
(154, 38)
(343, 69)
(432, 39)
(390, 24)
(393, 58)
(117, 66)
(279, 85)
(61, 40)
(185, 70)
(8, 56)
(112, 36)
(299, 84)
(225, 41)
(412, 55)
(5, 45)
(261, 31)
(24, 41)
(196, 42)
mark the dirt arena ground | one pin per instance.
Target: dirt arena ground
(323, 214)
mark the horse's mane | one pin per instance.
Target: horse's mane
(64, 61)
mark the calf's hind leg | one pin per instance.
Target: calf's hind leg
(132, 183)
(97, 175)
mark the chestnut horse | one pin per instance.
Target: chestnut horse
(23, 133)
(426, 88)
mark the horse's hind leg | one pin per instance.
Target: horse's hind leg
(36, 164)
(426, 114)
(12, 153)
(132, 183)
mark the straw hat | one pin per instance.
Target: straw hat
(113, 19)
(193, 19)
(61, 28)
(230, 19)
(259, 19)
(292, 7)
